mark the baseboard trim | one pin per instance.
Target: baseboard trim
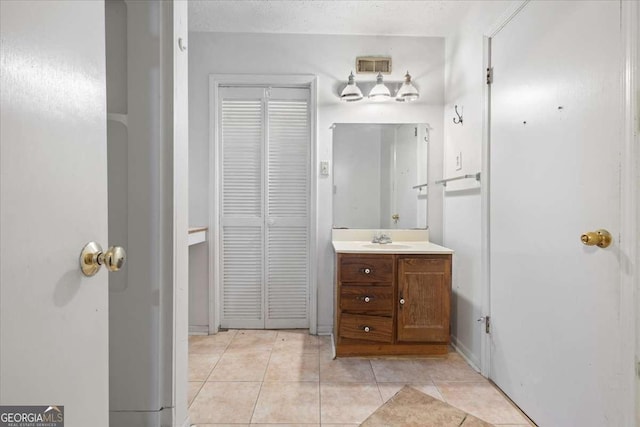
(465, 353)
(134, 418)
(198, 330)
(325, 329)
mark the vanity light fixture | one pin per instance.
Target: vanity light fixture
(351, 92)
(380, 92)
(407, 91)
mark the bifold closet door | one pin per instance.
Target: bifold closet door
(264, 207)
(241, 142)
(287, 230)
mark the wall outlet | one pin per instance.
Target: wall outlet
(324, 168)
(459, 161)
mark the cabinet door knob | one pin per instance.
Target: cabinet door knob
(367, 271)
(401, 301)
(366, 299)
(366, 329)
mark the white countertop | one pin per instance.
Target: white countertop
(397, 247)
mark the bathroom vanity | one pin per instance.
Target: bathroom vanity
(391, 299)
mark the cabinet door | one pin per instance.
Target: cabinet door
(424, 296)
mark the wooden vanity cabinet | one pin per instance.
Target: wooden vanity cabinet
(390, 304)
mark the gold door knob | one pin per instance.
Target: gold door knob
(92, 258)
(601, 238)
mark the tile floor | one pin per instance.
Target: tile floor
(288, 378)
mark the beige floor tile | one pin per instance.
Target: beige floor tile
(453, 369)
(194, 388)
(401, 370)
(324, 342)
(285, 425)
(288, 402)
(221, 425)
(388, 390)
(291, 361)
(348, 403)
(482, 400)
(200, 365)
(346, 370)
(224, 402)
(244, 366)
(210, 343)
(293, 366)
(252, 340)
(296, 342)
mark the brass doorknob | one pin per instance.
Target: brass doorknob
(601, 238)
(92, 258)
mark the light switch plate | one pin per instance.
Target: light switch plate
(459, 160)
(324, 168)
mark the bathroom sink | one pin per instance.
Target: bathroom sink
(386, 246)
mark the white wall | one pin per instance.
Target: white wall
(464, 86)
(331, 58)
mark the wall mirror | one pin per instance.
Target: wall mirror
(380, 175)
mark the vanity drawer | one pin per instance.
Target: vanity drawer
(366, 269)
(366, 328)
(378, 299)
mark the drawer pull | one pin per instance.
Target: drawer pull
(366, 328)
(366, 299)
(366, 270)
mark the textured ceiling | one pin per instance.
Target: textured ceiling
(427, 18)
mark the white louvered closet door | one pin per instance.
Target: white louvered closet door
(241, 141)
(264, 207)
(287, 201)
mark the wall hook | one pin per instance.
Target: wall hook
(459, 120)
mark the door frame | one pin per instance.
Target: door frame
(630, 198)
(309, 81)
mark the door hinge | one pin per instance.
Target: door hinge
(489, 75)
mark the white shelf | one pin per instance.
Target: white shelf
(197, 235)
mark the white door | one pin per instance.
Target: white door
(405, 176)
(53, 200)
(556, 135)
(265, 197)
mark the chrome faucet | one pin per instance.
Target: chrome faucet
(381, 238)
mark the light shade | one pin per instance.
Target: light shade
(407, 91)
(380, 92)
(351, 92)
